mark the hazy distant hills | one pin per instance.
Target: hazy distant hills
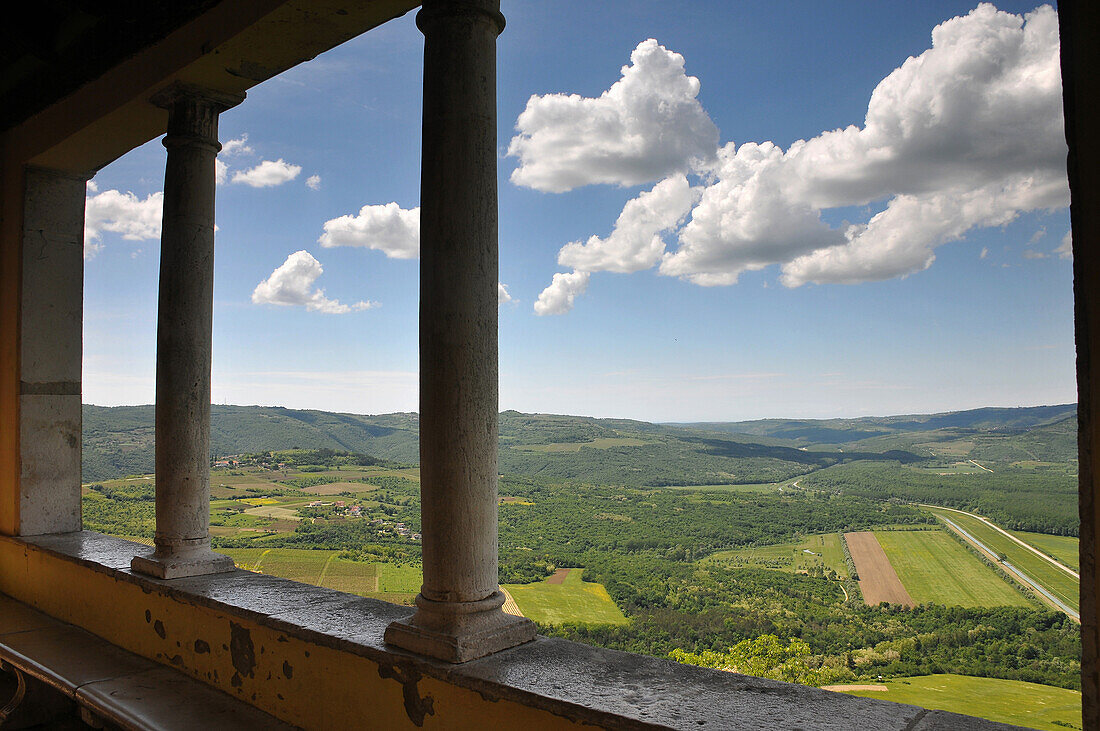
(119, 441)
(839, 431)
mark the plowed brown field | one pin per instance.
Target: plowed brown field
(558, 577)
(877, 579)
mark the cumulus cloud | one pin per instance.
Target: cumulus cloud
(635, 243)
(313, 182)
(238, 146)
(387, 228)
(291, 284)
(221, 172)
(746, 220)
(648, 125)
(967, 134)
(136, 219)
(503, 297)
(1065, 249)
(268, 173)
(558, 298)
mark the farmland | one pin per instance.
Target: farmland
(877, 579)
(1063, 548)
(935, 568)
(1007, 701)
(386, 581)
(818, 551)
(570, 600)
(698, 540)
(1055, 580)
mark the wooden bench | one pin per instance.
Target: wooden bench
(114, 687)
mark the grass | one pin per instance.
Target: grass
(1063, 548)
(573, 601)
(933, 567)
(385, 581)
(1006, 701)
(826, 552)
(1052, 578)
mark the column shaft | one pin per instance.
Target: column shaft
(184, 339)
(459, 616)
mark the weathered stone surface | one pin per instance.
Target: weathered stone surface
(458, 614)
(51, 340)
(184, 338)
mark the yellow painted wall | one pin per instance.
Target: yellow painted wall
(302, 682)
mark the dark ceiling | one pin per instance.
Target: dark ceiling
(50, 48)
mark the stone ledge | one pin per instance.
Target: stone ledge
(574, 682)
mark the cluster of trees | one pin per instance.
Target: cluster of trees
(1014, 497)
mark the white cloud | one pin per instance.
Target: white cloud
(238, 146)
(746, 220)
(291, 284)
(648, 125)
(134, 218)
(1065, 249)
(313, 182)
(1032, 254)
(558, 298)
(387, 228)
(985, 252)
(635, 243)
(901, 240)
(968, 134)
(268, 173)
(221, 172)
(503, 297)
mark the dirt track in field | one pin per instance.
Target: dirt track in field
(877, 579)
(559, 576)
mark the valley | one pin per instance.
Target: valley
(678, 540)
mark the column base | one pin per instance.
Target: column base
(182, 565)
(460, 631)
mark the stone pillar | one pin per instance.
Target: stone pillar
(1080, 89)
(459, 615)
(51, 339)
(184, 316)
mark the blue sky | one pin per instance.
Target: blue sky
(910, 264)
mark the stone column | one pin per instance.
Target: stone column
(51, 314)
(184, 315)
(459, 615)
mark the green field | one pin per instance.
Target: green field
(935, 568)
(389, 582)
(1064, 548)
(825, 551)
(1052, 578)
(572, 601)
(1006, 701)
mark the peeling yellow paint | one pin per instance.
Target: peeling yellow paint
(298, 681)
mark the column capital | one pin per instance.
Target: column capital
(176, 92)
(450, 10)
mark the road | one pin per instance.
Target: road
(1012, 570)
(1026, 545)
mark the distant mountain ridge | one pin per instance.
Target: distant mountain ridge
(840, 431)
(119, 440)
